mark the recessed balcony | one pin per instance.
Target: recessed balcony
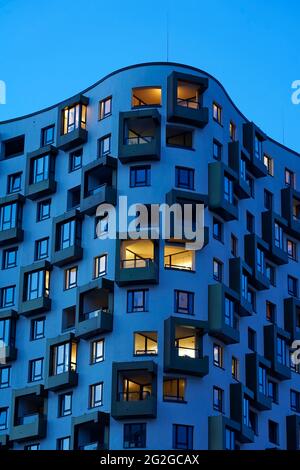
(273, 227)
(72, 123)
(240, 397)
(90, 431)
(11, 208)
(255, 256)
(221, 197)
(40, 172)
(178, 258)
(253, 139)
(146, 97)
(222, 433)
(8, 350)
(276, 350)
(66, 238)
(222, 313)
(257, 372)
(290, 210)
(35, 289)
(239, 275)
(61, 363)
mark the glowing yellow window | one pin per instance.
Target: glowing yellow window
(176, 257)
(146, 96)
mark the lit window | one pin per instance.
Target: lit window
(174, 389)
(291, 249)
(146, 96)
(100, 266)
(74, 117)
(145, 343)
(71, 278)
(37, 284)
(218, 355)
(217, 113)
(63, 358)
(232, 130)
(290, 178)
(176, 257)
(235, 368)
(97, 351)
(269, 163)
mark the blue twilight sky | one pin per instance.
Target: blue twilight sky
(53, 49)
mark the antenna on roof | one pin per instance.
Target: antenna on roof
(167, 36)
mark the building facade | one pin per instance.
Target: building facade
(112, 344)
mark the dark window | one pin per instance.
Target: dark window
(134, 436)
(8, 216)
(73, 198)
(43, 210)
(179, 137)
(234, 245)
(36, 370)
(41, 248)
(243, 169)
(293, 286)
(217, 230)
(184, 302)
(3, 418)
(68, 318)
(32, 447)
(14, 183)
(251, 339)
(4, 377)
(63, 443)
(68, 233)
(228, 190)
(268, 199)
(291, 249)
(100, 266)
(217, 113)
(295, 401)
(104, 145)
(97, 351)
(105, 107)
(253, 421)
(217, 150)
(271, 274)
(47, 135)
(289, 178)
(14, 147)
(137, 300)
(140, 176)
(65, 404)
(184, 177)
(251, 297)
(75, 160)
(281, 351)
(174, 389)
(37, 329)
(217, 270)
(235, 368)
(71, 277)
(218, 399)
(270, 311)
(229, 316)
(232, 130)
(9, 259)
(278, 237)
(229, 439)
(262, 381)
(7, 296)
(273, 391)
(251, 184)
(96, 395)
(260, 260)
(183, 437)
(258, 147)
(39, 169)
(273, 432)
(218, 355)
(250, 222)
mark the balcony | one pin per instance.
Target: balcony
(90, 431)
(292, 317)
(134, 390)
(139, 136)
(35, 289)
(72, 115)
(178, 258)
(255, 249)
(61, 363)
(98, 184)
(238, 161)
(136, 262)
(146, 97)
(218, 426)
(40, 172)
(185, 99)
(273, 226)
(239, 411)
(239, 273)
(253, 139)
(5, 443)
(8, 350)
(221, 198)
(183, 342)
(257, 371)
(94, 308)
(276, 350)
(222, 313)
(29, 416)
(11, 219)
(292, 432)
(290, 210)
(66, 238)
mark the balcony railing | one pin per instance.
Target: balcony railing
(183, 351)
(188, 103)
(27, 419)
(135, 263)
(90, 446)
(137, 140)
(134, 396)
(95, 190)
(144, 352)
(94, 313)
(61, 369)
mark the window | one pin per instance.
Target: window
(179, 137)
(270, 273)
(228, 189)
(63, 443)
(243, 169)
(7, 331)
(232, 130)
(96, 392)
(100, 266)
(293, 286)
(229, 317)
(235, 367)
(97, 351)
(39, 169)
(32, 447)
(253, 421)
(174, 389)
(273, 391)
(65, 404)
(245, 290)
(37, 329)
(105, 107)
(252, 339)
(289, 178)
(268, 199)
(4, 377)
(278, 238)
(134, 436)
(262, 381)
(71, 278)
(217, 150)
(258, 147)
(43, 210)
(250, 222)
(281, 351)
(251, 184)
(7, 296)
(217, 270)
(234, 245)
(184, 177)
(35, 370)
(270, 311)
(218, 399)
(251, 297)
(217, 113)
(260, 260)
(74, 117)
(146, 96)
(104, 146)
(218, 355)
(3, 418)
(295, 401)
(140, 176)
(137, 300)
(67, 234)
(68, 318)
(217, 230)
(47, 136)
(9, 259)
(37, 284)
(229, 439)
(73, 198)
(63, 358)
(14, 183)
(145, 343)
(273, 432)
(246, 412)
(75, 160)
(13, 147)
(184, 302)
(8, 216)
(269, 163)
(183, 437)
(41, 248)
(291, 249)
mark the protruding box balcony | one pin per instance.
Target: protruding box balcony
(255, 250)
(240, 397)
(183, 346)
(8, 350)
(35, 288)
(72, 117)
(292, 432)
(276, 341)
(61, 362)
(90, 431)
(29, 414)
(134, 390)
(5, 443)
(292, 317)
(136, 262)
(257, 372)
(139, 136)
(253, 139)
(239, 275)
(40, 172)
(222, 313)
(66, 238)
(218, 426)
(290, 210)
(238, 161)
(98, 184)
(273, 226)
(185, 99)
(94, 308)
(11, 208)
(221, 198)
